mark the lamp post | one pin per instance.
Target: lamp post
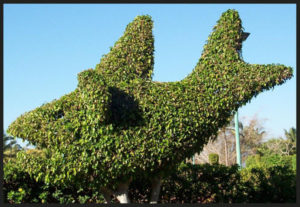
(237, 137)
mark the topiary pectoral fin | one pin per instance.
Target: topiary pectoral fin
(132, 55)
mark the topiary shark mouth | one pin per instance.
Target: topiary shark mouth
(121, 121)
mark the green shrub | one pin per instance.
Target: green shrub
(186, 184)
(203, 184)
(272, 178)
(273, 184)
(218, 183)
(20, 187)
(213, 158)
(271, 160)
(294, 162)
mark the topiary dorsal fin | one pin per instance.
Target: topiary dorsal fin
(225, 42)
(132, 55)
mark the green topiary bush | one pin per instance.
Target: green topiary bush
(186, 183)
(119, 125)
(213, 158)
(20, 187)
(204, 183)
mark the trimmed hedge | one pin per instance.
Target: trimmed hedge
(119, 124)
(186, 184)
(20, 187)
(267, 161)
(213, 158)
(276, 184)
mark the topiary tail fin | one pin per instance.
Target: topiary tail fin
(223, 47)
(132, 55)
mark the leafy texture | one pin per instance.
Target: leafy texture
(186, 184)
(118, 124)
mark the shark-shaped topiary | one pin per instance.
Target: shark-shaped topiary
(119, 124)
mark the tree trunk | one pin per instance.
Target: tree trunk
(106, 194)
(122, 193)
(156, 184)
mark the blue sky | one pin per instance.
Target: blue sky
(47, 45)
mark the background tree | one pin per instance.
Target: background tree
(275, 152)
(10, 147)
(279, 145)
(291, 134)
(251, 136)
(291, 139)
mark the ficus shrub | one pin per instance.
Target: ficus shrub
(270, 160)
(186, 183)
(203, 183)
(213, 158)
(118, 124)
(276, 184)
(20, 187)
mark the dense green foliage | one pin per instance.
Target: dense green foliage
(20, 187)
(186, 184)
(276, 184)
(275, 152)
(118, 124)
(266, 161)
(272, 170)
(203, 184)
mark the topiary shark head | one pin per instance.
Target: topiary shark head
(119, 123)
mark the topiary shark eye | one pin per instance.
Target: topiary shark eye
(59, 114)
